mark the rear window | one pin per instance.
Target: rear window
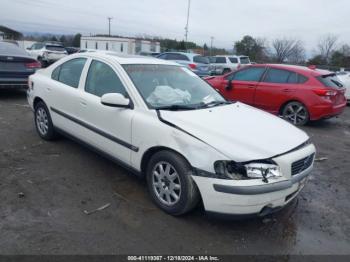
(220, 60)
(330, 81)
(55, 48)
(201, 59)
(212, 60)
(245, 60)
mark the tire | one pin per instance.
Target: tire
(43, 122)
(226, 71)
(176, 181)
(296, 113)
(42, 62)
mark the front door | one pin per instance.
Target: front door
(106, 128)
(240, 86)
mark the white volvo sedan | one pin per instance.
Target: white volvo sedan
(161, 121)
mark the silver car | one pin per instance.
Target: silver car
(198, 64)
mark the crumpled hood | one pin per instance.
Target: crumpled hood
(240, 132)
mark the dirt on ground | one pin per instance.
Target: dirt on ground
(46, 187)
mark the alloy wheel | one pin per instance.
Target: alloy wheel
(296, 113)
(42, 121)
(166, 183)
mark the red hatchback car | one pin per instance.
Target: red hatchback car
(299, 94)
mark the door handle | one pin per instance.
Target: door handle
(251, 86)
(287, 90)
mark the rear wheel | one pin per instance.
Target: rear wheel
(296, 113)
(43, 122)
(170, 183)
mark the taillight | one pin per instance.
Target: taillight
(325, 92)
(32, 65)
(192, 66)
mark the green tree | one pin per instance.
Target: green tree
(63, 40)
(317, 60)
(76, 40)
(251, 47)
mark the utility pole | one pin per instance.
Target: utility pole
(188, 18)
(211, 45)
(109, 25)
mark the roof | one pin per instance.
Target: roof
(299, 69)
(9, 49)
(11, 32)
(125, 59)
(117, 38)
(233, 56)
(182, 53)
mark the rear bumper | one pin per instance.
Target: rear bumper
(326, 111)
(14, 82)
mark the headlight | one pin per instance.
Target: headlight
(244, 171)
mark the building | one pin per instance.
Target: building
(130, 46)
(9, 34)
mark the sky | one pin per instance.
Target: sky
(225, 20)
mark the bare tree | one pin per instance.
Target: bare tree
(291, 50)
(297, 54)
(326, 47)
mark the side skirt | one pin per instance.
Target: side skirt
(101, 153)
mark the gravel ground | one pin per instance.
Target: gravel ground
(45, 188)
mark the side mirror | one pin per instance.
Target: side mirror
(229, 85)
(115, 100)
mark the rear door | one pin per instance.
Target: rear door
(63, 94)
(241, 85)
(277, 87)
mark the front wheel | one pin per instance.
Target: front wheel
(296, 113)
(170, 183)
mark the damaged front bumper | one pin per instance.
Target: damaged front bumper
(255, 197)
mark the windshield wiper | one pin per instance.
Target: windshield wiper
(176, 107)
(214, 103)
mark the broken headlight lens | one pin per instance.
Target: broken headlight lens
(245, 171)
(262, 170)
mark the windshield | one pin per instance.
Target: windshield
(163, 86)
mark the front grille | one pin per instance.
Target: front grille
(302, 164)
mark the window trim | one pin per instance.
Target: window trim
(288, 70)
(117, 74)
(59, 67)
(247, 68)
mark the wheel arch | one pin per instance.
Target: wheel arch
(37, 100)
(153, 150)
(290, 101)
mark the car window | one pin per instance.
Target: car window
(293, 78)
(55, 48)
(233, 60)
(245, 60)
(163, 56)
(250, 74)
(102, 79)
(330, 81)
(302, 79)
(56, 73)
(180, 57)
(201, 59)
(70, 72)
(277, 76)
(220, 60)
